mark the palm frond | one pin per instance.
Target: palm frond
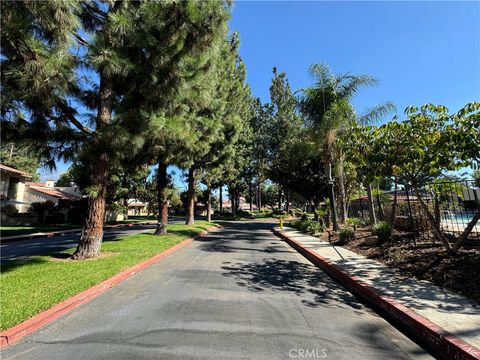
(377, 112)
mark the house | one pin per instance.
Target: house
(13, 186)
(47, 191)
(137, 208)
(243, 205)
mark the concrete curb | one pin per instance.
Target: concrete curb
(25, 328)
(444, 344)
(8, 239)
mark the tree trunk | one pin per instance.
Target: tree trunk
(331, 196)
(393, 215)
(92, 234)
(279, 198)
(233, 203)
(436, 209)
(287, 201)
(125, 208)
(371, 206)
(162, 185)
(209, 205)
(221, 198)
(259, 196)
(438, 233)
(341, 190)
(379, 202)
(191, 197)
(250, 195)
(464, 236)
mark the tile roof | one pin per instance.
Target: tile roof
(62, 195)
(11, 170)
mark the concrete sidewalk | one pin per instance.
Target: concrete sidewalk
(454, 313)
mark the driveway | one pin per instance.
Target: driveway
(238, 293)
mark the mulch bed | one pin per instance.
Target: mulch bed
(427, 260)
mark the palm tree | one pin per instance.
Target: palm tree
(329, 113)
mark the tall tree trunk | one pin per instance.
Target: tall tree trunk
(125, 208)
(191, 197)
(162, 185)
(279, 198)
(371, 206)
(209, 205)
(92, 234)
(250, 195)
(287, 200)
(259, 196)
(233, 201)
(331, 196)
(393, 215)
(221, 198)
(342, 201)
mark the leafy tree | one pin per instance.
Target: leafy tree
(432, 140)
(122, 61)
(66, 178)
(21, 158)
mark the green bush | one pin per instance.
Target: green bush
(314, 228)
(354, 222)
(307, 226)
(346, 235)
(382, 230)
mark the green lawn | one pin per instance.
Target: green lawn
(29, 287)
(22, 230)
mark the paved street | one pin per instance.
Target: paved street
(19, 250)
(238, 293)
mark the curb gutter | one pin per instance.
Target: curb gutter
(444, 344)
(25, 328)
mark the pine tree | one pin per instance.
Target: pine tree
(122, 61)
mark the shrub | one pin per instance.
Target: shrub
(307, 226)
(314, 228)
(382, 230)
(10, 209)
(346, 235)
(354, 222)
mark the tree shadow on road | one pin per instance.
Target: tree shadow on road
(304, 280)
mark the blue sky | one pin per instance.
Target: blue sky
(419, 51)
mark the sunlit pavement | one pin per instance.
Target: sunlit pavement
(238, 293)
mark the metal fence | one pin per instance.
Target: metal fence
(451, 203)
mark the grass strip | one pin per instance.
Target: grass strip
(30, 286)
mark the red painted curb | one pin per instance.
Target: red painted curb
(73, 231)
(19, 331)
(446, 345)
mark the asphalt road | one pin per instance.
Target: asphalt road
(23, 249)
(238, 293)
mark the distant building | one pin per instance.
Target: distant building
(47, 191)
(13, 186)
